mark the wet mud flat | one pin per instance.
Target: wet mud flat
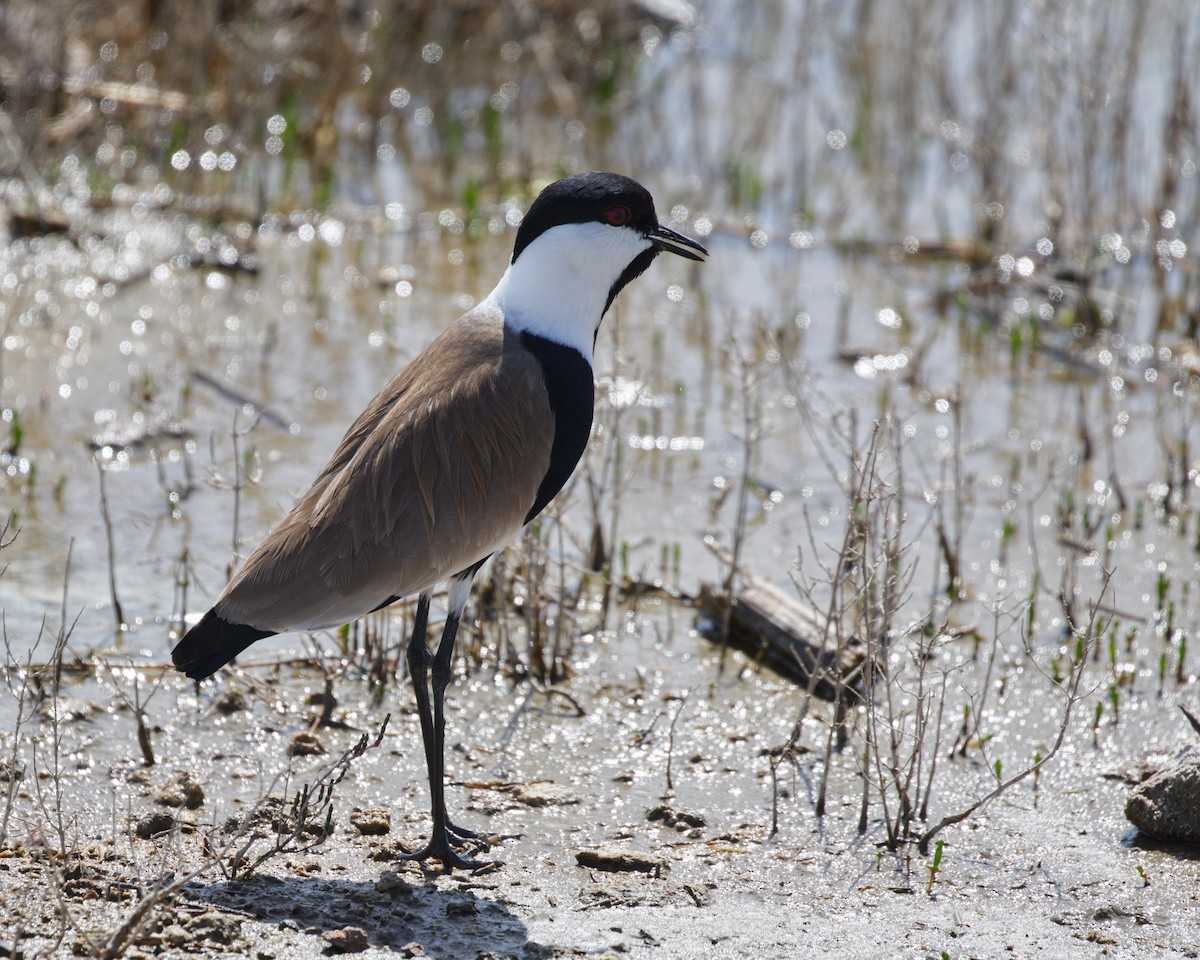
(939, 379)
(609, 862)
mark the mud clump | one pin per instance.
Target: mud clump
(684, 821)
(393, 884)
(154, 824)
(230, 701)
(180, 791)
(371, 822)
(214, 927)
(305, 744)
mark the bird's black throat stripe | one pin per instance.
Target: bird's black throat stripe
(568, 379)
(628, 275)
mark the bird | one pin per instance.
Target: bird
(459, 451)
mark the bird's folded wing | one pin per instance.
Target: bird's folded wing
(437, 473)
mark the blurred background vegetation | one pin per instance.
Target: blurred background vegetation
(978, 122)
(909, 192)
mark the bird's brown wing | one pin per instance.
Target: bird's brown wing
(437, 473)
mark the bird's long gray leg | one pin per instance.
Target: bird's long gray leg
(460, 591)
(433, 720)
(419, 659)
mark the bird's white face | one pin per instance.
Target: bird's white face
(559, 285)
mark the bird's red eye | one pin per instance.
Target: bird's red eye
(616, 216)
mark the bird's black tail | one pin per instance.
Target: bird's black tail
(211, 644)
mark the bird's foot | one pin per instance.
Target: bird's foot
(439, 848)
(483, 841)
(463, 833)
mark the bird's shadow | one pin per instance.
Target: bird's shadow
(392, 913)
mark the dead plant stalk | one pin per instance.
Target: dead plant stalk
(1086, 637)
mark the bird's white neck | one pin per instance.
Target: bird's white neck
(559, 285)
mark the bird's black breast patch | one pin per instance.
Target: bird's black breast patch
(568, 379)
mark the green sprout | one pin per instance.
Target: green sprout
(935, 865)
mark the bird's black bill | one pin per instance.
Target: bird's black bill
(673, 242)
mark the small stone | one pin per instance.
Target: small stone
(1167, 806)
(618, 859)
(413, 949)
(180, 791)
(372, 822)
(305, 744)
(544, 793)
(347, 940)
(154, 824)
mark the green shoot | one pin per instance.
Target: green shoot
(935, 865)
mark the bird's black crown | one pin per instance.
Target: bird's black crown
(584, 198)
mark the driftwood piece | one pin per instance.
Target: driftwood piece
(777, 630)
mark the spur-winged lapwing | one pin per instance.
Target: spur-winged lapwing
(459, 451)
